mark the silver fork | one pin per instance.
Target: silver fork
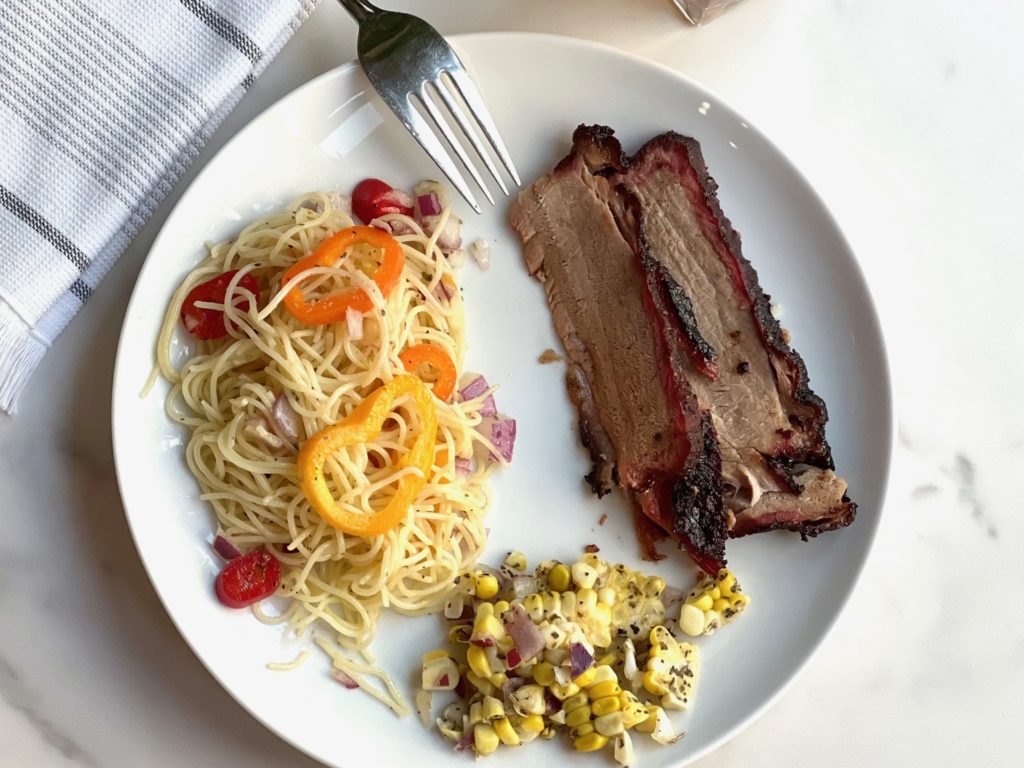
(405, 59)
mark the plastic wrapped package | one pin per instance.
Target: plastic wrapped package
(703, 11)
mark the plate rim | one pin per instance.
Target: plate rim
(872, 314)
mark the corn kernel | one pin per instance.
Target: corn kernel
(648, 724)
(482, 684)
(586, 677)
(485, 740)
(581, 730)
(500, 607)
(568, 607)
(590, 743)
(534, 605)
(604, 674)
(529, 700)
(485, 609)
(516, 560)
(654, 586)
(607, 660)
(593, 560)
(552, 602)
(633, 714)
(576, 701)
(578, 716)
(652, 685)
(491, 709)
(486, 586)
(488, 626)
(691, 620)
(498, 680)
(476, 657)
(583, 575)
(532, 723)
(610, 724)
(600, 690)
(704, 602)
(505, 732)
(606, 595)
(721, 605)
(715, 593)
(602, 614)
(563, 692)
(586, 602)
(558, 578)
(544, 673)
(606, 705)
(726, 581)
(548, 733)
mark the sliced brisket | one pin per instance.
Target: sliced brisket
(777, 468)
(688, 396)
(637, 415)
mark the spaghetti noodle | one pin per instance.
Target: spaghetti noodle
(229, 393)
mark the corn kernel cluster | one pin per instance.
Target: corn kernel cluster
(716, 600)
(607, 663)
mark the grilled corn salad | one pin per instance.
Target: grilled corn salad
(585, 649)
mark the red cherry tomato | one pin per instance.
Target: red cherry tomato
(372, 198)
(248, 579)
(210, 323)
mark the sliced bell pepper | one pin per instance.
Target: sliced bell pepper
(332, 309)
(428, 354)
(361, 426)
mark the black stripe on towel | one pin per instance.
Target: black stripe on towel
(81, 290)
(53, 236)
(225, 29)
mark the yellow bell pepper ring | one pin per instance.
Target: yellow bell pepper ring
(361, 426)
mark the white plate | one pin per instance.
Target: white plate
(331, 133)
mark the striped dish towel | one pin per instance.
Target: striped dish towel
(103, 104)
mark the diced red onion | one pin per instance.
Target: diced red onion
(354, 324)
(481, 251)
(513, 658)
(671, 596)
(551, 702)
(443, 292)
(225, 548)
(474, 389)
(344, 679)
(462, 466)
(398, 198)
(443, 680)
(524, 633)
(465, 742)
(580, 660)
(523, 586)
(489, 407)
(286, 420)
(503, 435)
(457, 258)
(429, 204)
(450, 238)
(464, 689)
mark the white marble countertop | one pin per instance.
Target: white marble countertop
(907, 118)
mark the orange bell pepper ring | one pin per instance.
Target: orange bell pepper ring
(428, 354)
(361, 426)
(332, 309)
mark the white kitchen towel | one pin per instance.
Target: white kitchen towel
(103, 104)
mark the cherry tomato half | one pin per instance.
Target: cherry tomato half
(372, 198)
(211, 323)
(248, 579)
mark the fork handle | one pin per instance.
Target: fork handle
(360, 10)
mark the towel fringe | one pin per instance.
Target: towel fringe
(20, 353)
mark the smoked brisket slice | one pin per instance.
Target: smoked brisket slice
(777, 469)
(688, 396)
(637, 415)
